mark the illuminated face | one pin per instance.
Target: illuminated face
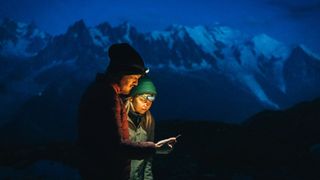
(127, 82)
(142, 103)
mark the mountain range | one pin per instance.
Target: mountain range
(204, 73)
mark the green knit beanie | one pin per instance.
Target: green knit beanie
(145, 86)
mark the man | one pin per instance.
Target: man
(103, 126)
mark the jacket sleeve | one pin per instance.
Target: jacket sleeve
(148, 175)
(138, 150)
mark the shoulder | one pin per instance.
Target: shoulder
(101, 85)
(99, 90)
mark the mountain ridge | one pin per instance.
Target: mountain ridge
(236, 75)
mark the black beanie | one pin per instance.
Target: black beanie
(125, 60)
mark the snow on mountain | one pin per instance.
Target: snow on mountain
(205, 38)
(79, 42)
(98, 38)
(127, 34)
(165, 36)
(202, 38)
(227, 35)
(309, 52)
(274, 52)
(242, 69)
(20, 39)
(257, 90)
(269, 47)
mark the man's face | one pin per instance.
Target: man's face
(127, 82)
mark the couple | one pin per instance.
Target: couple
(110, 130)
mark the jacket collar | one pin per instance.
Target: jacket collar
(135, 118)
(116, 88)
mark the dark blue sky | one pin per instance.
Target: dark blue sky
(290, 21)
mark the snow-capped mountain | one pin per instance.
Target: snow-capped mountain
(20, 39)
(208, 73)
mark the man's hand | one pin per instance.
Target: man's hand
(165, 146)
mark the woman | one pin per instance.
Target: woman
(141, 124)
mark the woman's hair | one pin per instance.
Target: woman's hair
(148, 117)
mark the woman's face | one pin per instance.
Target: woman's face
(141, 103)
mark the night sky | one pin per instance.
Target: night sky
(290, 21)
